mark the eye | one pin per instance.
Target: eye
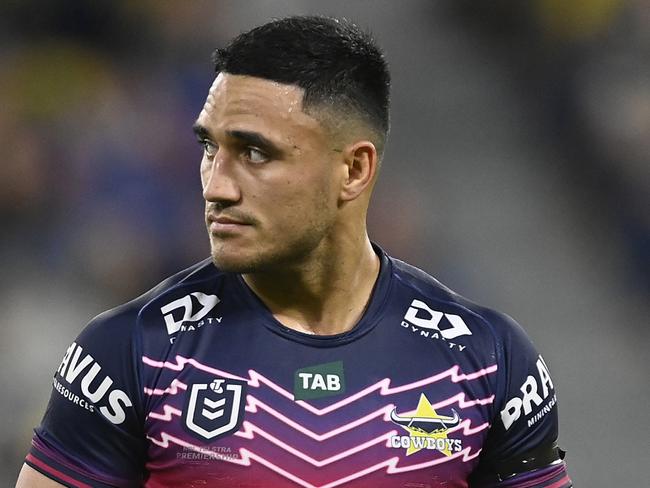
(210, 149)
(255, 155)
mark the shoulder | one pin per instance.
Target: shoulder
(112, 343)
(121, 320)
(434, 298)
(117, 337)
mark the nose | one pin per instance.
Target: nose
(219, 182)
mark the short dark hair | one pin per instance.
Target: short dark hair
(336, 64)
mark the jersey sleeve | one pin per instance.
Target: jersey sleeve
(91, 433)
(521, 449)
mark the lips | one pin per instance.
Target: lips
(228, 220)
(223, 224)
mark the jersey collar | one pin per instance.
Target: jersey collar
(368, 321)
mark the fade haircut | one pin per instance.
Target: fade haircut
(339, 67)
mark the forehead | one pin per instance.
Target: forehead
(237, 102)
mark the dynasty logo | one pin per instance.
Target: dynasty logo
(427, 430)
(422, 320)
(181, 315)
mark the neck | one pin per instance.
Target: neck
(325, 294)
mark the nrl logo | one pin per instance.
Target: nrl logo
(216, 409)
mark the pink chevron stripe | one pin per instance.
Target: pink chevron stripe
(461, 400)
(249, 431)
(181, 361)
(166, 416)
(466, 426)
(249, 427)
(254, 404)
(390, 464)
(383, 386)
(170, 390)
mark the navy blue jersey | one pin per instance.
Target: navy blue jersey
(196, 384)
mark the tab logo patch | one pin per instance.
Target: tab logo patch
(319, 381)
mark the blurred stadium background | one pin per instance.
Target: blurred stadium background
(518, 172)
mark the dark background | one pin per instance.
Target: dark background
(517, 172)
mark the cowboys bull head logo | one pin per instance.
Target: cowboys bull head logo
(427, 425)
(215, 409)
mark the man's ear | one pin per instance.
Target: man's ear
(361, 161)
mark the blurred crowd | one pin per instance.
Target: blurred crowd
(99, 190)
(584, 71)
(100, 164)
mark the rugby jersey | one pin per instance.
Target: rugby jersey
(196, 384)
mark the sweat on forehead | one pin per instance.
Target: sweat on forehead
(233, 88)
(246, 104)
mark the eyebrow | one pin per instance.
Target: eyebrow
(252, 139)
(201, 132)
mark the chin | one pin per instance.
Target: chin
(236, 258)
(232, 264)
(229, 257)
(233, 258)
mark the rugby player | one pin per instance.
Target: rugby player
(300, 354)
